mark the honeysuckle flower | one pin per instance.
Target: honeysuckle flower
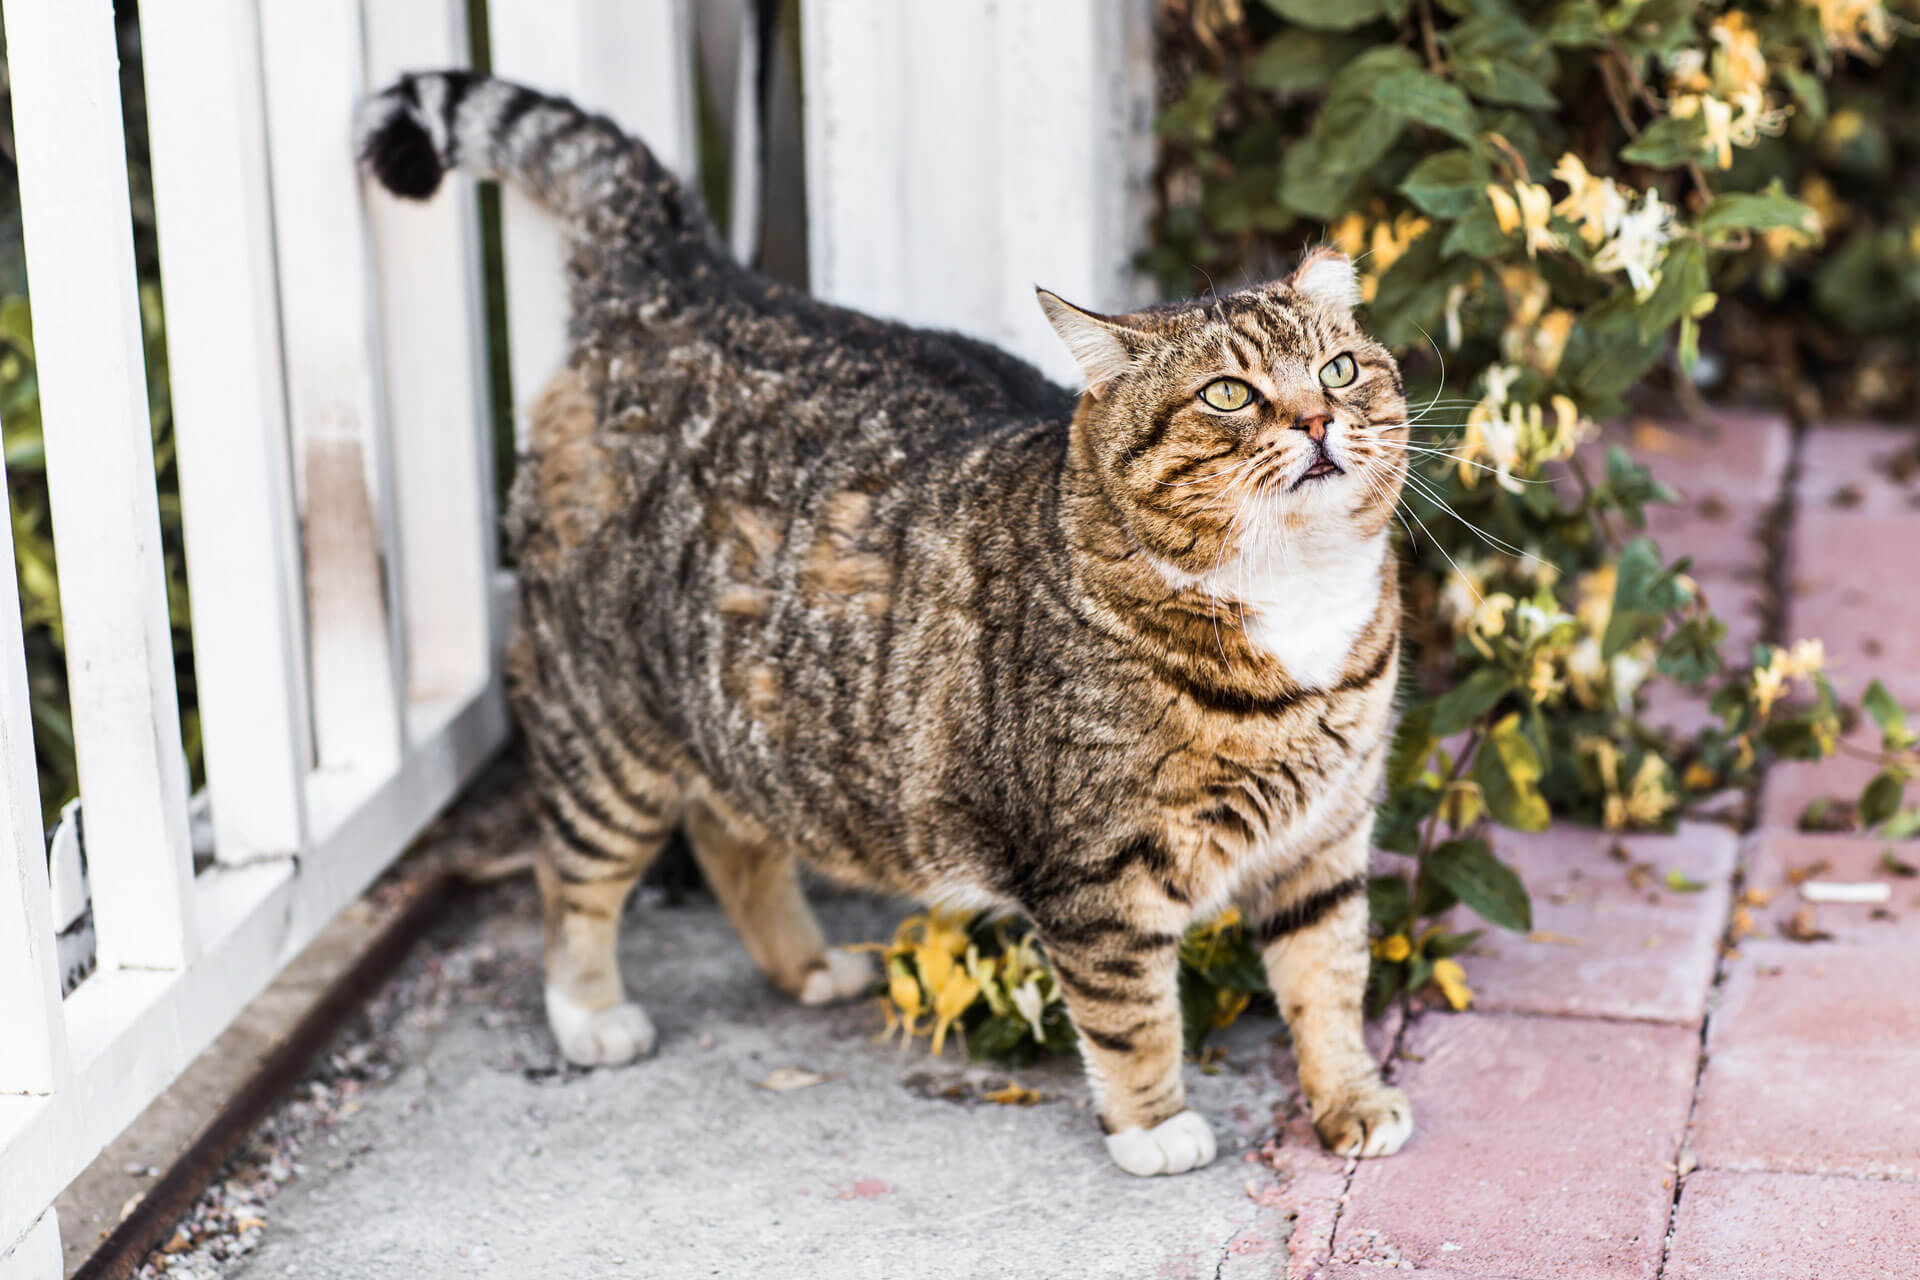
(1639, 243)
(1738, 62)
(1861, 27)
(1525, 209)
(1031, 1004)
(1595, 205)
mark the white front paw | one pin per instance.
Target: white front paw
(606, 1037)
(1175, 1145)
(841, 975)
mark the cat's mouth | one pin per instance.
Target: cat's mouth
(1323, 466)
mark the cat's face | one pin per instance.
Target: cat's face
(1235, 426)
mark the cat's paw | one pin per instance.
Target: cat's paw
(1374, 1121)
(607, 1037)
(842, 975)
(1175, 1145)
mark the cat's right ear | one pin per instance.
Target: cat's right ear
(1102, 346)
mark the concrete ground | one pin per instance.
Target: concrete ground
(1660, 1082)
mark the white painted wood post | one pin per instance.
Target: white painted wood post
(957, 155)
(93, 394)
(37, 1255)
(342, 457)
(632, 60)
(205, 117)
(33, 1052)
(433, 318)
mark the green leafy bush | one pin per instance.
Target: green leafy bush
(1550, 204)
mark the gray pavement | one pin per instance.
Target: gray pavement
(481, 1155)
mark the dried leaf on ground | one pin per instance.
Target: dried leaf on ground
(1803, 928)
(1893, 865)
(787, 1079)
(1012, 1095)
(1799, 875)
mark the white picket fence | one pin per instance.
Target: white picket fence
(328, 364)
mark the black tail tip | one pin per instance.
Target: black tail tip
(399, 152)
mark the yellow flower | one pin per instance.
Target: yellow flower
(1595, 205)
(1452, 981)
(1649, 798)
(1393, 949)
(949, 1003)
(1543, 682)
(1860, 27)
(1228, 1006)
(1349, 234)
(1738, 62)
(1698, 777)
(1525, 209)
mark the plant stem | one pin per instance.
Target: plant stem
(1459, 767)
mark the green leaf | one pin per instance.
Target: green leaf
(1310, 186)
(1757, 211)
(1577, 24)
(1894, 734)
(1644, 592)
(1683, 278)
(1501, 81)
(1425, 98)
(1467, 701)
(1508, 770)
(1331, 15)
(1478, 234)
(1880, 800)
(1667, 143)
(1388, 899)
(1471, 871)
(1192, 118)
(1678, 882)
(1296, 62)
(1413, 744)
(1447, 184)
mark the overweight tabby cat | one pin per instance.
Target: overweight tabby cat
(823, 587)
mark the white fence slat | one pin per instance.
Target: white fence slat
(743, 229)
(33, 1053)
(37, 1256)
(433, 317)
(633, 61)
(957, 155)
(342, 456)
(80, 275)
(205, 117)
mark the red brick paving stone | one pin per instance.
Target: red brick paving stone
(1792, 785)
(1854, 859)
(1641, 953)
(1737, 458)
(1812, 1061)
(1302, 1177)
(1851, 582)
(1783, 1226)
(1537, 1152)
(1851, 468)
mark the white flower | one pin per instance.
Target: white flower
(1026, 998)
(1639, 244)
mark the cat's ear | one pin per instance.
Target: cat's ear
(1326, 276)
(1102, 346)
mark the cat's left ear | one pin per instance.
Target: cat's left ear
(1104, 347)
(1326, 276)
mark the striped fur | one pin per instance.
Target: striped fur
(823, 588)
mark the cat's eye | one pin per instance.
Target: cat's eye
(1339, 371)
(1227, 394)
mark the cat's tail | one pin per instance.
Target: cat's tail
(570, 161)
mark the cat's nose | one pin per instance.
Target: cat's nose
(1314, 424)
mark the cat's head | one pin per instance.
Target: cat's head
(1238, 424)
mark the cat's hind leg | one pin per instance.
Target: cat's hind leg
(604, 821)
(758, 883)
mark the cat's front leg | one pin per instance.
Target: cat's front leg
(1121, 982)
(1312, 929)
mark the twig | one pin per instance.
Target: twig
(1434, 61)
(1579, 470)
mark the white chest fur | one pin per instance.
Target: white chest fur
(1306, 605)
